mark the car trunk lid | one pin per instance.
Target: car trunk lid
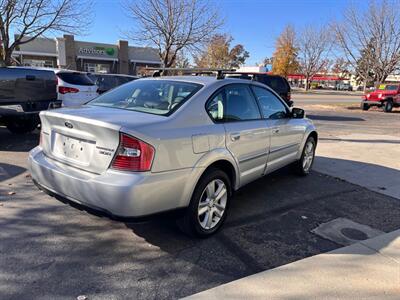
(87, 137)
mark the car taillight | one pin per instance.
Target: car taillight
(66, 90)
(133, 155)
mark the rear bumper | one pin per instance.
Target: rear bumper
(120, 194)
(25, 108)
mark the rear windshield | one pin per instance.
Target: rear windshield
(275, 82)
(160, 97)
(75, 78)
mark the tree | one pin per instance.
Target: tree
(181, 61)
(364, 66)
(378, 26)
(219, 54)
(267, 61)
(173, 25)
(284, 61)
(30, 19)
(314, 47)
(340, 66)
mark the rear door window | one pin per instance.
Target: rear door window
(274, 82)
(240, 104)
(75, 78)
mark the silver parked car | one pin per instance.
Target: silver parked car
(159, 144)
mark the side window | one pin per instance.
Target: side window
(240, 104)
(215, 107)
(271, 106)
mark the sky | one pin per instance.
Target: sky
(254, 23)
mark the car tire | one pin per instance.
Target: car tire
(303, 166)
(207, 209)
(388, 106)
(22, 126)
(365, 106)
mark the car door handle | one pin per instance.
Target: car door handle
(235, 136)
(275, 130)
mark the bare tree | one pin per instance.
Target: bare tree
(29, 19)
(314, 47)
(371, 35)
(173, 25)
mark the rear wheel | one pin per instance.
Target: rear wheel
(388, 106)
(209, 204)
(364, 106)
(22, 125)
(304, 164)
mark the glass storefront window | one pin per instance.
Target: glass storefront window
(38, 63)
(96, 68)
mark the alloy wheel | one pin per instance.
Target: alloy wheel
(308, 156)
(212, 204)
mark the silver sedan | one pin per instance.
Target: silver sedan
(160, 144)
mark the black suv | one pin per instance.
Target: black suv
(106, 82)
(278, 83)
(24, 92)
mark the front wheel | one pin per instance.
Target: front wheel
(365, 106)
(304, 164)
(388, 106)
(209, 204)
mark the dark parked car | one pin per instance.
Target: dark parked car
(344, 87)
(106, 82)
(278, 83)
(24, 92)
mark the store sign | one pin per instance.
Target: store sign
(97, 51)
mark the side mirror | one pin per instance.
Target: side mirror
(298, 113)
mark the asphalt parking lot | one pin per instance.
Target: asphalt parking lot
(53, 250)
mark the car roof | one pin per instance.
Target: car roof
(55, 70)
(203, 80)
(109, 74)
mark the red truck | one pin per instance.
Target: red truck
(386, 96)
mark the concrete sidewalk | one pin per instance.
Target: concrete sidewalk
(366, 270)
(367, 160)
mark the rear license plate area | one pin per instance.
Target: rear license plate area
(72, 148)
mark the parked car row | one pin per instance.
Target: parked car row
(25, 91)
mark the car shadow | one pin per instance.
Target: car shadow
(334, 118)
(381, 141)
(8, 171)
(18, 142)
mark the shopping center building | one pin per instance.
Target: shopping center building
(67, 53)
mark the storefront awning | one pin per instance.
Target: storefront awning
(97, 58)
(318, 77)
(16, 53)
(146, 61)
